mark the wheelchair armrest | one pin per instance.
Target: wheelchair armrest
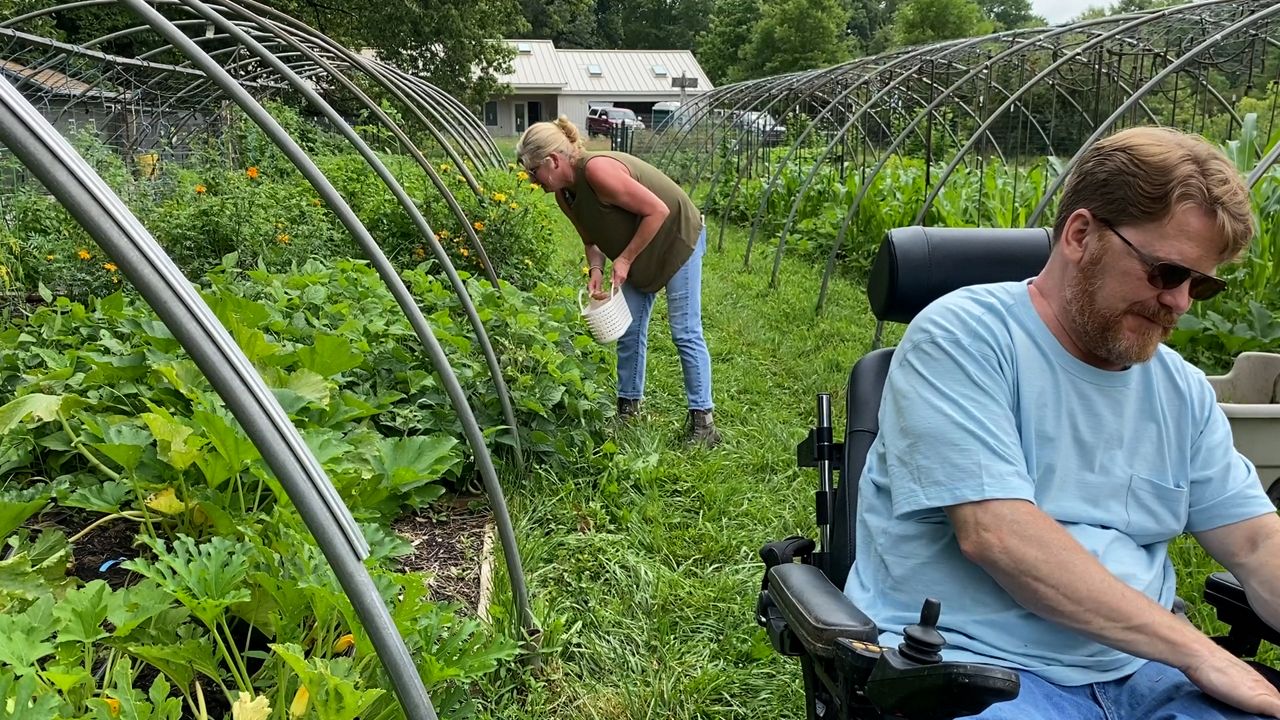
(816, 611)
(1226, 595)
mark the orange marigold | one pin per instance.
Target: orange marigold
(109, 267)
(477, 225)
(252, 172)
(283, 238)
(201, 189)
(83, 254)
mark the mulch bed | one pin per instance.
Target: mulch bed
(447, 540)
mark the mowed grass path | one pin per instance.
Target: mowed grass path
(642, 564)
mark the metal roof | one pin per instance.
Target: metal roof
(539, 64)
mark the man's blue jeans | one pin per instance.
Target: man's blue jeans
(1154, 692)
(684, 311)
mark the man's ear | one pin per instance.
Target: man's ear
(1080, 230)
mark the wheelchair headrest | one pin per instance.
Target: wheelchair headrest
(917, 265)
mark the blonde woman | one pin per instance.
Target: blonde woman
(628, 211)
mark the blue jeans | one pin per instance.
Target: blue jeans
(684, 311)
(1155, 692)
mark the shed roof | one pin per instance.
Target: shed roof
(539, 64)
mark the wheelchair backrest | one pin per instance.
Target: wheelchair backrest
(914, 267)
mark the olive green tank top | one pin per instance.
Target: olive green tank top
(611, 228)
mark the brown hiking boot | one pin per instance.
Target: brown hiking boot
(628, 409)
(701, 429)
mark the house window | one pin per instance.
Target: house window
(595, 70)
(491, 114)
(659, 70)
(524, 48)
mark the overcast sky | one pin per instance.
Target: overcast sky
(1056, 11)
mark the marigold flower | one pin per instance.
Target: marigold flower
(83, 254)
(444, 167)
(200, 189)
(522, 176)
(443, 234)
(252, 172)
(465, 252)
(498, 197)
(50, 258)
(109, 267)
(514, 206)
(477, 225)
(535, 186)
(419, 253)
(283, 238)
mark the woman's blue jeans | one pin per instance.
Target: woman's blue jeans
(684, 311)
(1155, 692)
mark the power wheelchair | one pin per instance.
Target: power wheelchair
(847, 675)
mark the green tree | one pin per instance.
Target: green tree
(1010, 14)
(926, 21)
(720, 47)
(663, 24)
(796, 35)
(567, 23)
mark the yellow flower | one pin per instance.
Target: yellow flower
(419, 253)
(344, 644)
(252, 172)
(498, 197)
(315, 201)
(528, 262)
(535, 186)
(465, 253)
(444, 167)
(477, 225)
(250, 708)
(83, 254)
(109, 267)
(443, 234)
(113, 706)
(514, 206)
(586, 270)
(283, 238)
(200, 189)
(298, 707)
(50, 258)
(522, 176)
(511, 166)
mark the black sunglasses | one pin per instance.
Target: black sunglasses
(1165, 275)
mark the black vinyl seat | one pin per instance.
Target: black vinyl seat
(802, 605)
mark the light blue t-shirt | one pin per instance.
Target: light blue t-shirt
(982, 402)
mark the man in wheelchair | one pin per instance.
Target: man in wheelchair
(1038, 449)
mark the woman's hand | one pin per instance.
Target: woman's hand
(621, 267)
(594, 281)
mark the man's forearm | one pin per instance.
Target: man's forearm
(1046, 571)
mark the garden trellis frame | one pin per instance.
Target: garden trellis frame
(177, 88)
(1021, 97)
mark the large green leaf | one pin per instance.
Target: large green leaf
(81, 612)
(38, 407)
(19, 505)
(26, 636)
(409, 462)
(329, 355)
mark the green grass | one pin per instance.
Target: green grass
(642, 563)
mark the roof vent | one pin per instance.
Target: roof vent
(524, 48)
(659, 70)
(595, 70)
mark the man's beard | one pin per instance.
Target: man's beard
(1101, 331)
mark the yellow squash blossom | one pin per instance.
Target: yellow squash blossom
(343, 644)
(252, 172)
(298, 707)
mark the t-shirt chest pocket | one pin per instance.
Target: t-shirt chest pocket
(1157, 510)
(1144, 508)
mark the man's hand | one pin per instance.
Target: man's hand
(594, 282)
(621, 268)
(1231, 680)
